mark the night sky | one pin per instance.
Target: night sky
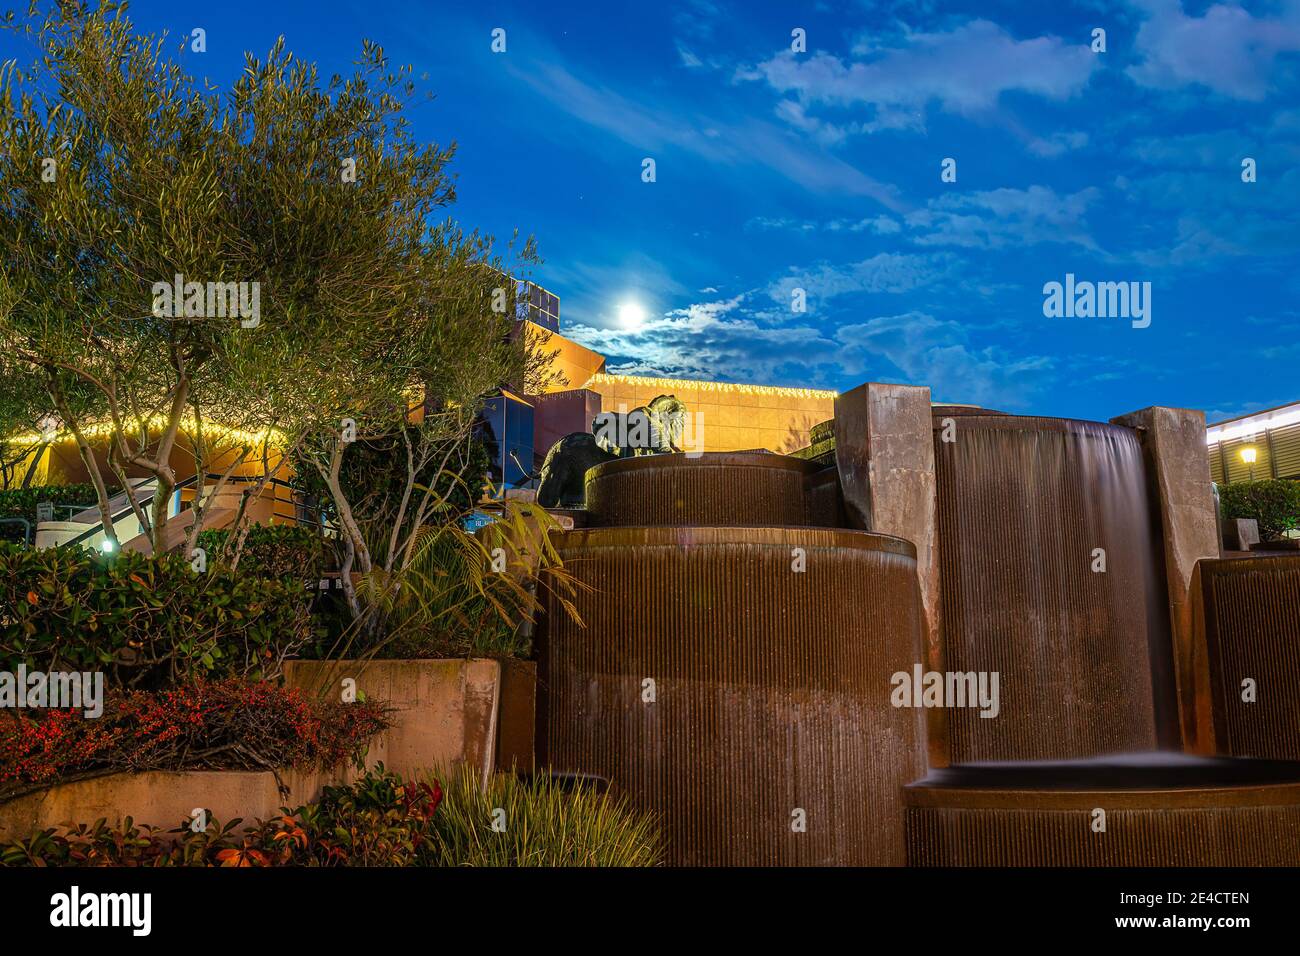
(820, 171)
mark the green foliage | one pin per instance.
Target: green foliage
(145, 621)
(373, 477)
(274, 551)
(463, 594)
(21, 503)
(382, 820)
(316, 188)
(1273, 502)
(96, 844)
(545, 823)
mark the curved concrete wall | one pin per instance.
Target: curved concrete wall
(164, 799)
(713, 683)
(1160, 810)
(444, 714)
(1027, 510)
(713, 489)
(1252, 632)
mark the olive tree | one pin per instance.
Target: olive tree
(129, 192)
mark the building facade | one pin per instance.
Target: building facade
(723, 416)
(1259, 445)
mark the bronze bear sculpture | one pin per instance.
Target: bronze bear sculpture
(652, 429)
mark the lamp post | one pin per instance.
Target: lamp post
(1248, 455)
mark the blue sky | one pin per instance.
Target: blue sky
(820, 170)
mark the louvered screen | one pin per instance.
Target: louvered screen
(1286, 449)
(1216, 463)
(1238, 470)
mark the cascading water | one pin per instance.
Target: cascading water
(1049, 576)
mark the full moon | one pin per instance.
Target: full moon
(631, 315)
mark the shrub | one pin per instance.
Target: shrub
(22, 502)
(146, 621)
(373, 476)
(272, 551)
(380, 820)
(1273, 502)
(96, 844)
(546, 824)
(222, 725)
(452, 601)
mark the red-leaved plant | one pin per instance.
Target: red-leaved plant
(221, 725)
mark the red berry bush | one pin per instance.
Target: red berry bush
(218, 725)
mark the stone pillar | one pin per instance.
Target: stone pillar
(1178, 472)
(884, 451)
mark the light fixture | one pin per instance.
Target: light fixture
(106, 546)
(1248, 455)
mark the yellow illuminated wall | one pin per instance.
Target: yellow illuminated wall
(733, 417)
(575, 363)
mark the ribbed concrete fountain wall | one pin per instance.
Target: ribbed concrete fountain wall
(1252, 632)
(713, 489)
(1028, 508)
(1147, 810)
(736, 680)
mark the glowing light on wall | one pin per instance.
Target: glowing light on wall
(684, 384)
(230, 436)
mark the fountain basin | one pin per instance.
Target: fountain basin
(1161, 809)
(714, 489)
(737, 697)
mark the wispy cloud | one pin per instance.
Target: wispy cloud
(756, 337)
(1227, 50)
(878, 225)
(983, 219)
(935, 352)
(746, 142)
(964, 71)
(1005, 218)
(885, 272)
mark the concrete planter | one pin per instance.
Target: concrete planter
(163, 799)
(445, 711)
(445, 715)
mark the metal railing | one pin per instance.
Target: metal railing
(98, 528)
(27, 528)
(303, 513)
(299, 512)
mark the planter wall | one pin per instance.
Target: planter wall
(163, 799)
(445, 714)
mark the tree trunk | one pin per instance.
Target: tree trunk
(88, 459)
(162, 469)
(36, 461)
(344, 507)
